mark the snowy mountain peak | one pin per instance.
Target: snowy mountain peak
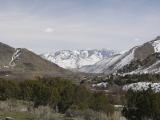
(71, 59)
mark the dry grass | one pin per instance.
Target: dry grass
(16, 106)
(46, 113)
(92, 115)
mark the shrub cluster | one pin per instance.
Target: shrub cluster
(58, 93)
(142, 105)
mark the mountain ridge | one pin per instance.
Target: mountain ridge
(21, 62)
(114, 64)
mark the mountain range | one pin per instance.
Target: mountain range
(22, 63)
(75, 59)
(137, 60)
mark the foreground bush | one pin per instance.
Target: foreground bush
(142, 105)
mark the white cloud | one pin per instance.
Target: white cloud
(49, 30)
(137, 39)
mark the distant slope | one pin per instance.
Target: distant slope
(6, 53)
(29, 61)
(138, 58)
(22, 61)
(100, 66)
(149, 65)
(111, 64)
(71, 59)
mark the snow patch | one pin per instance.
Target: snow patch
(6, 66)
(140, 86)
(15, 57)
(156, 45)
(151, 69)
(102, 85)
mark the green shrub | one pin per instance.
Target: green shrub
(100, 103)
(142, 105)
(58, 93)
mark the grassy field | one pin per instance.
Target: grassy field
(28, 116)
(16, 115)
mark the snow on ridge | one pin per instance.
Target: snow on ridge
(126, 58)
(101, 65)
(15, 57)
(77, 58)
(156, 45)
(150, 69)
(117, 61)
(140, 86)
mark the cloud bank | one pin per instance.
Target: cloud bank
(47, 25)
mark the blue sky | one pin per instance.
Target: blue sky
(48, 25)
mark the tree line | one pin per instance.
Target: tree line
(142, 105)
(58, 93)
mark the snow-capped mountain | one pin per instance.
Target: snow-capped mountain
(111, 64)
(140, 59)
(71, 59)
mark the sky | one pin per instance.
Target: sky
(49, 25)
